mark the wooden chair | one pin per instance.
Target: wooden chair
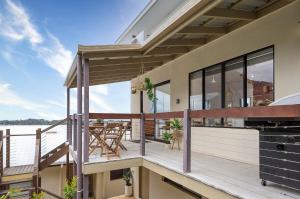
(176, 137)
(112, 140)
(95, 138)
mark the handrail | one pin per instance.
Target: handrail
(280, 111)
(54, 125)
(50, 193)
(164, 115)
(114, 116)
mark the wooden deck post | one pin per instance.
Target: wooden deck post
(69, 136)
(7, 148)
(79, 127)
(86, 137)
(1, 154)
(142, 135)
(186, 142)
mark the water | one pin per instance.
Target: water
(23, 147)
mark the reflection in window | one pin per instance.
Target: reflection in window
(196, 91)
(213, 87)
(213, 90)
(162, 94)
(260, 78)
(234, 89)
(234, 83)
(162, 104)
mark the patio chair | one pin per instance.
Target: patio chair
(95, 138)
(176, 137)
(111, 140)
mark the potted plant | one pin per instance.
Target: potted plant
(70, 189)
(176, 126)
(127, 177)
(167, 138)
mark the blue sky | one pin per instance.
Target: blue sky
(38, 40)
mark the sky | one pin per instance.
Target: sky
(38, 41)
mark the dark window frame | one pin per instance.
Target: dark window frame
(154, 90)
(244, 57)
(117, 174)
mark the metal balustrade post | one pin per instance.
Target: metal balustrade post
(71, 130)
(1, 154)
(86, 136)
(142, 135)
(68, 116)
(7, 148)
(186, 141)
(79, 126)
(74, 132)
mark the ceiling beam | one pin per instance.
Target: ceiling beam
(202, 30)
(231, 14)
(184, 42)
(125, 66)
(94, 63)
(108, 54)
(168, 50)
(117, 72)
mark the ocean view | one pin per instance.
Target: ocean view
(22, 148)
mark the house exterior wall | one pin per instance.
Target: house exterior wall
(160, 189)
(281, 29)
(53, 179)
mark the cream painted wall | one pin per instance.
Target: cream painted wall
(53, 179)
(281, 29)
(106, 188)
(161, 190)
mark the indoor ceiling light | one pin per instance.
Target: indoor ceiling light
(213, 79)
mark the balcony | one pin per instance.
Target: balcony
(187, 166)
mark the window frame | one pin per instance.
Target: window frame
(244, 58)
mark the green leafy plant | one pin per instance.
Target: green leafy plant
(149, 87)
(40, 195)
(11, 193)
(166, 137)
(127, 177)
(176, 124)
(99, 121)
(70, 189)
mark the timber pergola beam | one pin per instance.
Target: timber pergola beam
(231, 14)
(203, 30)
(184, 42)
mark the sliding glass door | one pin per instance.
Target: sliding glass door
(162, 93)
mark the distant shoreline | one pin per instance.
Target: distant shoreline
(28, 122)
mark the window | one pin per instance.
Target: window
(260, 81)
(196, 97)
(118, 174)
(213, 80)
(162, 104)
(234, 83)
(248, 78)
(163, 97)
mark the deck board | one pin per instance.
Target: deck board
(236, 178)
(18, 170)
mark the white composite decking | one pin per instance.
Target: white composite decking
(236, 178)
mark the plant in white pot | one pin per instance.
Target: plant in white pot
(176, 126)
(166, 136)
(127, 177)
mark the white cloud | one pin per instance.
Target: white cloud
(99, 89)
(55, 55)
(11, 98)
(17, 26)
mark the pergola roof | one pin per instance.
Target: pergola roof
(192, 26)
